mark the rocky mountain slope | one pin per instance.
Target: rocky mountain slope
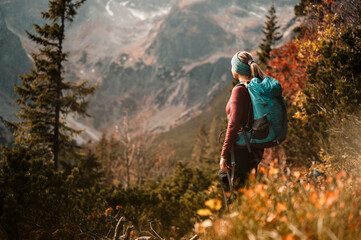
(13, 61)
(162, 61)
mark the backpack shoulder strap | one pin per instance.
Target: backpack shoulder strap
(248, 124)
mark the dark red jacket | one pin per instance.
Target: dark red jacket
(237, 109)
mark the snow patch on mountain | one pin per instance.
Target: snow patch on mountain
(124, 3)
(144, 15)
(138, 14)
(107, 7)
(87, 134)
(262, 8)
(255, 14)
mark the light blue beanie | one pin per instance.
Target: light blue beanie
(240, 67)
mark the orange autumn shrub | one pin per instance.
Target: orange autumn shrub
(288, 69)
(285, 204)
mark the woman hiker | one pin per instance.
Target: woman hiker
(239, 111)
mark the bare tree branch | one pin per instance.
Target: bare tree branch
(155, 232)
(118, 228)
(126, 236)
(194, 237)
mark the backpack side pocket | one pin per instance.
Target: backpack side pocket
(260, 127)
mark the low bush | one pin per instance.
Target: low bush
(291, 205)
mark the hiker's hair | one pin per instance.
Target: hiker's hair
(256, 71)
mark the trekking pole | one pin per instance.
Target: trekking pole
(230, 185)
(225, 199)
(230, 178)
(233, 164)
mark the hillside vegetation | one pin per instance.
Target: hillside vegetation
(130, 185)
(183, 137)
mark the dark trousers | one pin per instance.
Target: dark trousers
(245, 162)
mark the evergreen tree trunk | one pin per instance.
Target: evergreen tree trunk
(58, 94)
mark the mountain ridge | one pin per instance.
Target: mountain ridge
(163, 60)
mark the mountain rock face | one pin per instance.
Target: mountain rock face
(186, 36)
(13, 61)
(162, 61)
(20, 15)
(182, 62)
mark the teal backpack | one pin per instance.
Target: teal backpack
(269, 125)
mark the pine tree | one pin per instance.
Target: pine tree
(200, 144)
(90, 171)
(271, 36)
(101, 148)
(213, 149)
(103, 152)
(46, 98)
(38, 202)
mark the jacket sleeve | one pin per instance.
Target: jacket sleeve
(239, 108)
